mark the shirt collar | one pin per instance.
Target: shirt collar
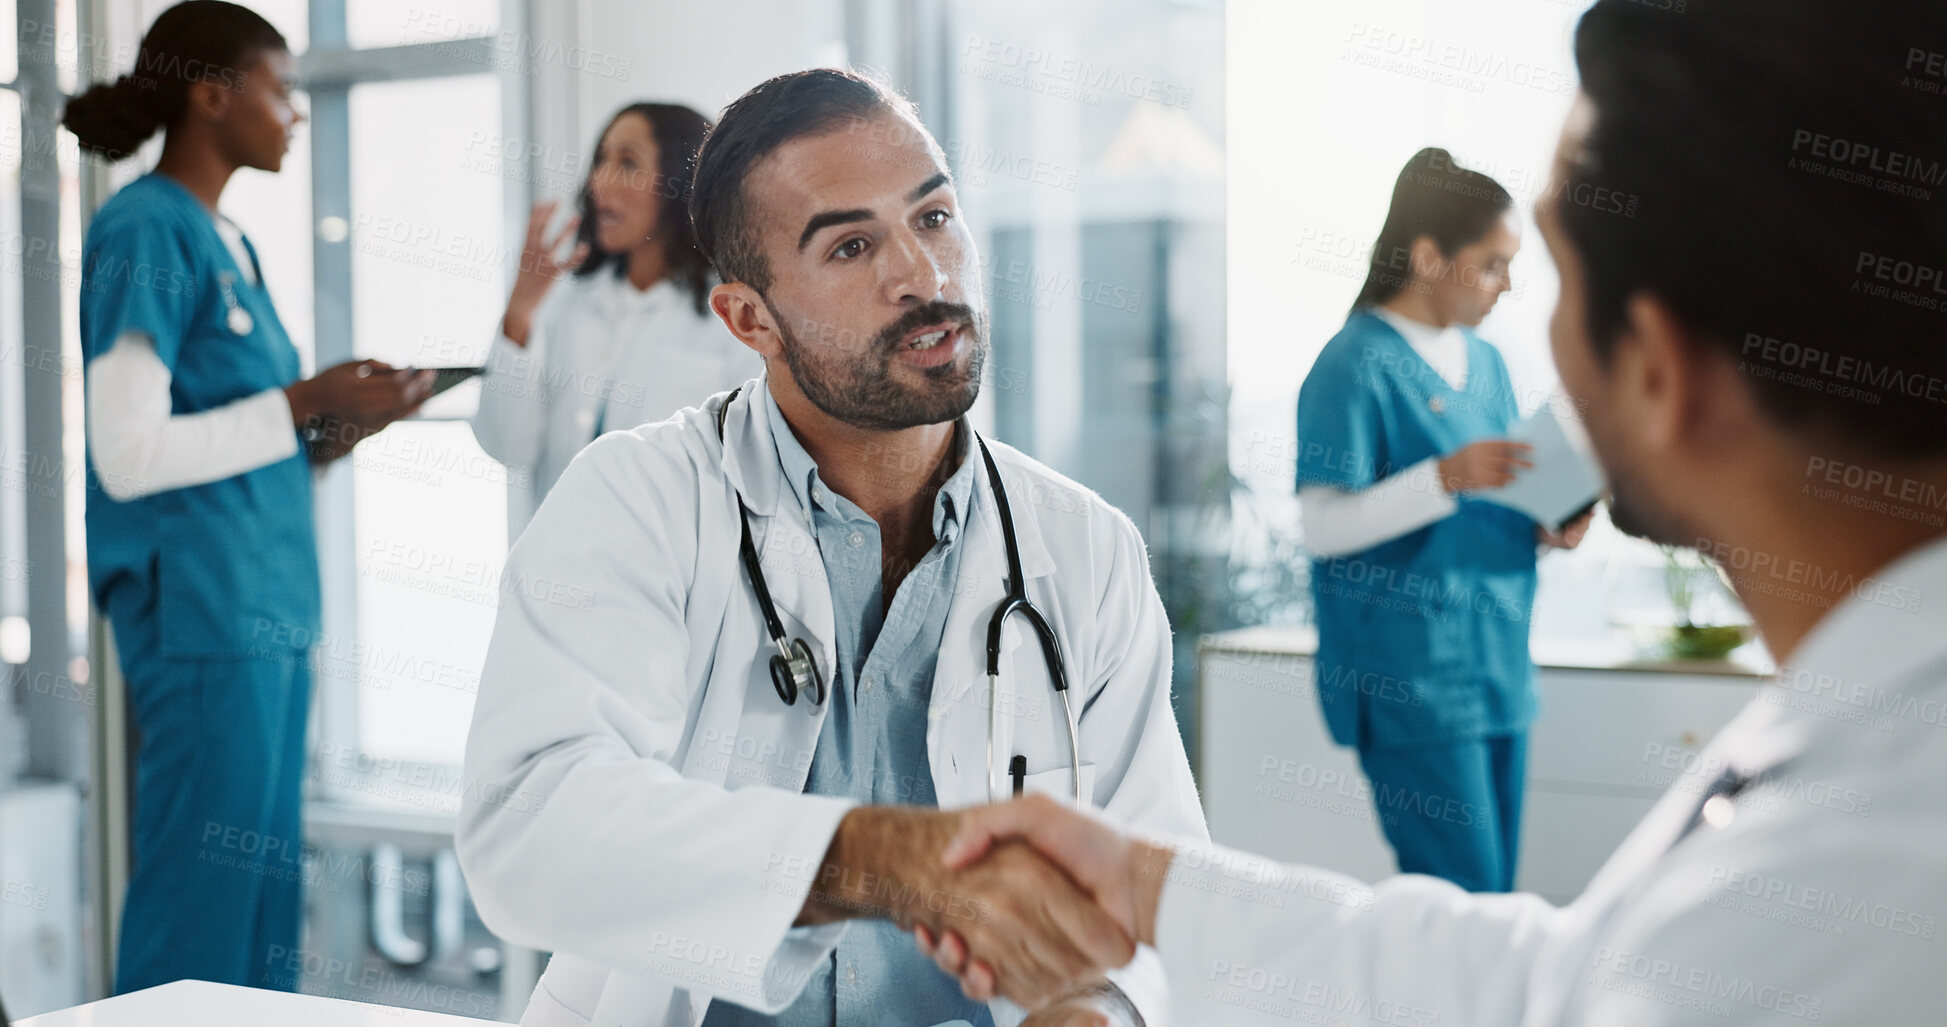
(801, 474)
(1891, 625)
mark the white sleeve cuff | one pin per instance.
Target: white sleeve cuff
(139, 448)
(1338, 522)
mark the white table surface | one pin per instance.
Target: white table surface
(202, 1004)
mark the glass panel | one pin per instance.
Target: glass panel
(432, 534)
(428, 274)
(370, 23)
(428, 258)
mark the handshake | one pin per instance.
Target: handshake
(1030, 900)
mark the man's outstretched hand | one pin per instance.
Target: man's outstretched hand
(1040, 937)
(1122, 875)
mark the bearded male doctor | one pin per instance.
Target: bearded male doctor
(708, 824)
(1760, 386)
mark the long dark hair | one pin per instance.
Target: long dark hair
(1437, 198)
(678, 132)
(195, 41)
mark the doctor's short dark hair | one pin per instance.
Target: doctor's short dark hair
(1789, 163)
(754, 126)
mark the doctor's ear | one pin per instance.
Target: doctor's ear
(743, 310)
(1668, 377)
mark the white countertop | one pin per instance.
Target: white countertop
(202, 1004)
(1750, 661)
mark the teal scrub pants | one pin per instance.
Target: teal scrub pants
(217, 889)
(1453, 809)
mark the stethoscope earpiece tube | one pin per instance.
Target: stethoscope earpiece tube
(793, 670)
(1017, 600)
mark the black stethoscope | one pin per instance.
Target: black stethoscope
(793, 670)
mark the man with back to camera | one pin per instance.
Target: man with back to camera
(646, 802)
(1758, 354)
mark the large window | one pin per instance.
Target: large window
(1089, 142)
(429, 265)
(378, 239)
(1328, 100)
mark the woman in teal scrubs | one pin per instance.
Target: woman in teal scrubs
(1422, 591)
(201, 552)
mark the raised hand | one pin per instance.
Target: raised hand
(1123, 875)
(542, 264)
(1039, 935)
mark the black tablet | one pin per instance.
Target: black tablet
(446, 377)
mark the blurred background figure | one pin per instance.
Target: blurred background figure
(1403, 414)
(628, 338)
(201, 549)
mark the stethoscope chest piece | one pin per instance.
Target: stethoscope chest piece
(794, 665)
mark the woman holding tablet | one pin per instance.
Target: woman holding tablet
(1422, 591)
(201, 444)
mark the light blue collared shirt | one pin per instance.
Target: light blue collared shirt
(873, 744)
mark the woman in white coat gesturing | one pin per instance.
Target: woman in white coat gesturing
(627, 339)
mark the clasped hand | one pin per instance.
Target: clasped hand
(1029, 900)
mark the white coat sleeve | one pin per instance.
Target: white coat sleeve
(1338, 522)
(1128, 727)
(1248, 941)
(577, 832)
(139, 448)
(511, 423)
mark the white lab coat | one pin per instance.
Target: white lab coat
(604, 354)
(1819, 900)
(635, 787)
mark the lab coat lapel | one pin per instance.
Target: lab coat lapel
(793, 569)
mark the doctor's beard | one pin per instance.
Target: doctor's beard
(1631, 515)
(857, 387)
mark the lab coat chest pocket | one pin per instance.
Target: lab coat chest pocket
(1059, 783)
(1032, 721)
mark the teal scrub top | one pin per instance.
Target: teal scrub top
(1423, 638)
(233, 564)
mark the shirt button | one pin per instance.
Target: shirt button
(868, 682)
(818, 496)
(851, 974)
(857, 540)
